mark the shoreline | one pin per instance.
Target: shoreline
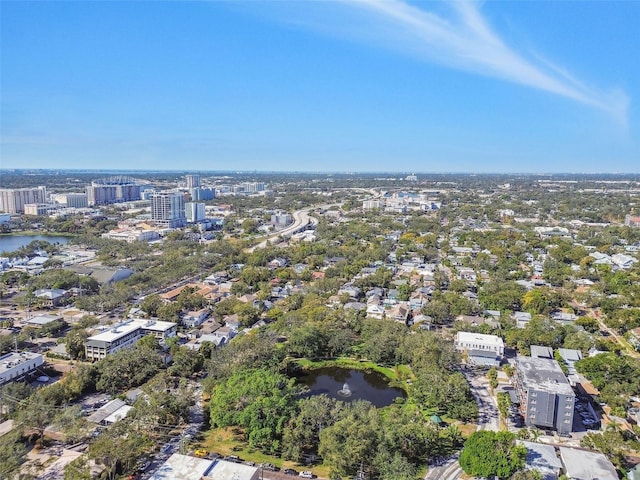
(35, 233)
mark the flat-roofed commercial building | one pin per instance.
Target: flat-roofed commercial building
(160, 330)
(546, 397)
(481, 349)
(16, 365)
(185, 467)
(124, 335)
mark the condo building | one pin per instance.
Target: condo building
(545, 395)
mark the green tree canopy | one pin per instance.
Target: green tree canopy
(488, 454)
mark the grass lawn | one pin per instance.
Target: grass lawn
(229, 441)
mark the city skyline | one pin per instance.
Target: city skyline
(380, 86)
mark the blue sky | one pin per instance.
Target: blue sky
(344, 85)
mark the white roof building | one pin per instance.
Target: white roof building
(587, 465)
(184, 467)
(15, 365)
(479, 341)
(481, 349)
(126, 334)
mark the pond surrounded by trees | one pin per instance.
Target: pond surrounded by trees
(362, 385)
(11, 243)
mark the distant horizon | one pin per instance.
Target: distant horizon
(311, 172)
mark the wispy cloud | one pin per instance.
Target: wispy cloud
(463, 39)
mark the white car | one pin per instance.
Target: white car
(306, 474)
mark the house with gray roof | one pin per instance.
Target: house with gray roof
(587, 465)
(543, 459)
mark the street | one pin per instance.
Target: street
(488, 419)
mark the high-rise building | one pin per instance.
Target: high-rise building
(193, 181)
(200, 194)
(194, 212)
(167, 209)
(113, 190)
(252, 187)
(73, 200)
(13, 200)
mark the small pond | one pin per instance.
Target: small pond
(360, 385)
(11, 243)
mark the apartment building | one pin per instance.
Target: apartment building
(167, 209)
(13, 200)
(546, 397)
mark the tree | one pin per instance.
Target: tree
(526, 475)
(492, 375)
(12, 451)
(37, 414)
(439, 310)
(77, 469)
(488, 454)
(302, 432)
(75, 341)
(118, 449)
(535, 301)
(259, 400)
(352, 439)
(186, 362)
(504, 402)
(250, 226)
(127, 368)
(151, 304)
(72, 422)
(13, 394)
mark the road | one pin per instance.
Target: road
(448, 470)
(626, 347)
(488, 416)
(488, 419)
(301, 219)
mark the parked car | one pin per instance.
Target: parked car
(290, 471)
(306, 474)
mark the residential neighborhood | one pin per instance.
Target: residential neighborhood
(489, 309)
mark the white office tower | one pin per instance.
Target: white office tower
(193, 181)
(194, 212)
(167, 209)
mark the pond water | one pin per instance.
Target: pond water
(360, 385)
(11, 243)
